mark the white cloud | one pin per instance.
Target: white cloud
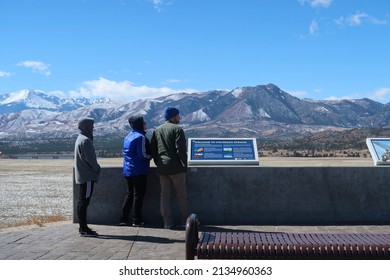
(123, 90)
(297, 93)
(172, 81)
(57, 93)
(380, 94)
(359, 18)
(159, 4)
(36, 66)
(330, 98)
(4, 74)
(355, 19)
(333, 98)
(313, 28)
(317, 3)
(346, 97)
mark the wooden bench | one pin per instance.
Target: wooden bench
(264, 245)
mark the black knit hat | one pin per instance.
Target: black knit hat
(137, 122)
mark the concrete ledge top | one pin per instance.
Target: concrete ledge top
(274, 162)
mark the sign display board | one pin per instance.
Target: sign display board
(226, 151)
(380, 150)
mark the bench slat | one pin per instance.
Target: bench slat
(245, 245)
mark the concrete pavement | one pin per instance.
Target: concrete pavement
(61, 241)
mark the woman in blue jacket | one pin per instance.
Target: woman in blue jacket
(136, 163)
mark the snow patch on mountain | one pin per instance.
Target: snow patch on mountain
(262, 113)
(322, 109)
(199, 115)
(237, 92)
(18, 121)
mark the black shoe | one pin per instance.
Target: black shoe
(169, 226)
(123, 224)
(88, 233)
(141, 224)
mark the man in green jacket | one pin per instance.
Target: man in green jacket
(169, 151)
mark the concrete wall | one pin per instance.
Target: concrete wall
(259, 195)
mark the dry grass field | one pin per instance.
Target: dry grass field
(40, 191)
(37, 191)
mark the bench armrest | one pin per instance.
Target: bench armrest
(192, 236)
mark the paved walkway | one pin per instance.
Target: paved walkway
(60, 241)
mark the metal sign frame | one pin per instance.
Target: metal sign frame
(380, 150)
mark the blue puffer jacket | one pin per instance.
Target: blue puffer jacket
(136, 154)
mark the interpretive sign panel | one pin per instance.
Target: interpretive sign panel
(379, 149)
(230, 151)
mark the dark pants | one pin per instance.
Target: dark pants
(136, 188)
(86, 190)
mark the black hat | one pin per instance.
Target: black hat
(137, 122)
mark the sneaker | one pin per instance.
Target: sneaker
(123, 224)
(86, 229)
(141, 224)
(88, 233)
(168, 226)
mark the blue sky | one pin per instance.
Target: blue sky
(132, 49)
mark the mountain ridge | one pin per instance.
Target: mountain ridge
(262, 111)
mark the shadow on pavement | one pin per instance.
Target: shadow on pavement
(139, 238)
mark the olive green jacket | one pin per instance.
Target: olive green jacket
(169, 149)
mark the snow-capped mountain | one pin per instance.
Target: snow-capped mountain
(36, 99)
(263, 111)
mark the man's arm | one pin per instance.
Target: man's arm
(154, 148)
(90, 156)
(181, 147)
